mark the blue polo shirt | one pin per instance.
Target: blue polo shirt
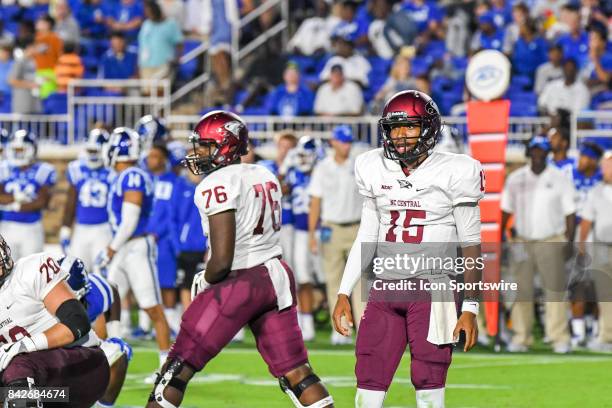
(283, 103)
(114, 66)
(527, 56)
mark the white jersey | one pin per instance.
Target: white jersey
(255, 194)
(22, 311)
(418, 208)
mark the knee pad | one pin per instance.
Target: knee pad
(24, 384)
(294, 393)
(168, 377)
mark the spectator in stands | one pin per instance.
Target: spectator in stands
(66, 25)
(119, 62)
(25, 31)
(313, 36)
(90, 17)
(48, 49)
(544, 225)
(551, 70)
(488, 36)
(400, 78)
(6, 38)
(291, 98)
(598, 71)
(173, 10)
(22, 78)
(6, 63)
(349, 14)
(575, 42)
(568, 93)
(377, 36)
(160, 43)
(69, 67)
(339, 96)
(426, 14)
(355, 67)
(529, 51)
(502, 13)
(126, 17)
(520, 15)
(559, 140)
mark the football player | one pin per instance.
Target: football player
(245, 281)
(163, 225)
(413, 195)
(131, 254)
(101, 300)
(25, 190)
(285, 141)
(152, 131)
(306, 265)
(88, 181)
(45, 337)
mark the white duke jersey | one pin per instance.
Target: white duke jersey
(418, 208)
(255, 194)
(22, 311)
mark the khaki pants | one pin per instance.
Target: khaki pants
(335, 252)
(547, 259)
(602, 278)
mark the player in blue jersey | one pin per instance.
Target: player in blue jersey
(103, 305)
(559, 145)
(25, 190)
(306, 265)
(131, 254)
(192, 241)
(163, 226)
(586, 175)
(152, 131)
(88, 181)
(285, 141)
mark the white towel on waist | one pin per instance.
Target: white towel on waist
(443, 313)
(280, 281)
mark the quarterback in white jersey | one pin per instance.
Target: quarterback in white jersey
(417, 201)
(44, 330)
(245, 281)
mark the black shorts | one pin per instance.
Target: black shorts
(187, 265)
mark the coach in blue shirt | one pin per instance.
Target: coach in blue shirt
(118, 62)
(291, 98)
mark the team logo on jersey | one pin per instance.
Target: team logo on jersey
(404, 184)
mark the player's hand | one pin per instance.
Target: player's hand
(21, 197)
(343, 309)
(102, 261)
(125, 347)
(467, 323)
(313, 244)
(9, 351)
(64, 236)
(199, 284)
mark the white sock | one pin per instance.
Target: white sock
(300, 322)
(125, 320)
(163, 355)
(144, 321)
(307, 322)
(430, 398)
(579, 328)
(369, 398)
(239, 336)
(173, 319)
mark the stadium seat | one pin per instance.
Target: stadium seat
(601, 98)
(56, 104)
(523, 109)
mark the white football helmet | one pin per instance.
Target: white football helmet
(124, 146)
(97, 139)
(22, 147)
(306, 153)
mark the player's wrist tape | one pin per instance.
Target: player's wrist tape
(65, 232)
(471, 306)
(40, 342)
(113, 328)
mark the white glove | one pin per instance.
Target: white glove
(64, 236)
(101, 262)
(14, 207)
(9, 351)
(199, 284)
(291, 160)
(21, 197)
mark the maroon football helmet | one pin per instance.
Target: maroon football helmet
(410, 107)
(227, 137)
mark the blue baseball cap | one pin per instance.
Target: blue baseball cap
(343, 133)
(592, 150)
(487, 18)
(541, 142)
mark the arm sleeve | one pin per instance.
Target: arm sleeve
(469, 186)
(130, 214)
(467, 220)
(357, 260)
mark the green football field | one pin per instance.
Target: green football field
(238, 378)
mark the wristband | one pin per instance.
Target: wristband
(471, 306)
(40, 341)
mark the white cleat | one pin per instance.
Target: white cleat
(516, 348)
(599, 347)
(562, 348)
(339, 340)
(150, 379)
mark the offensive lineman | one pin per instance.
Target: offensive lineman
(89, 183)
(45, 337)
(412, 195)
(245, 282)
